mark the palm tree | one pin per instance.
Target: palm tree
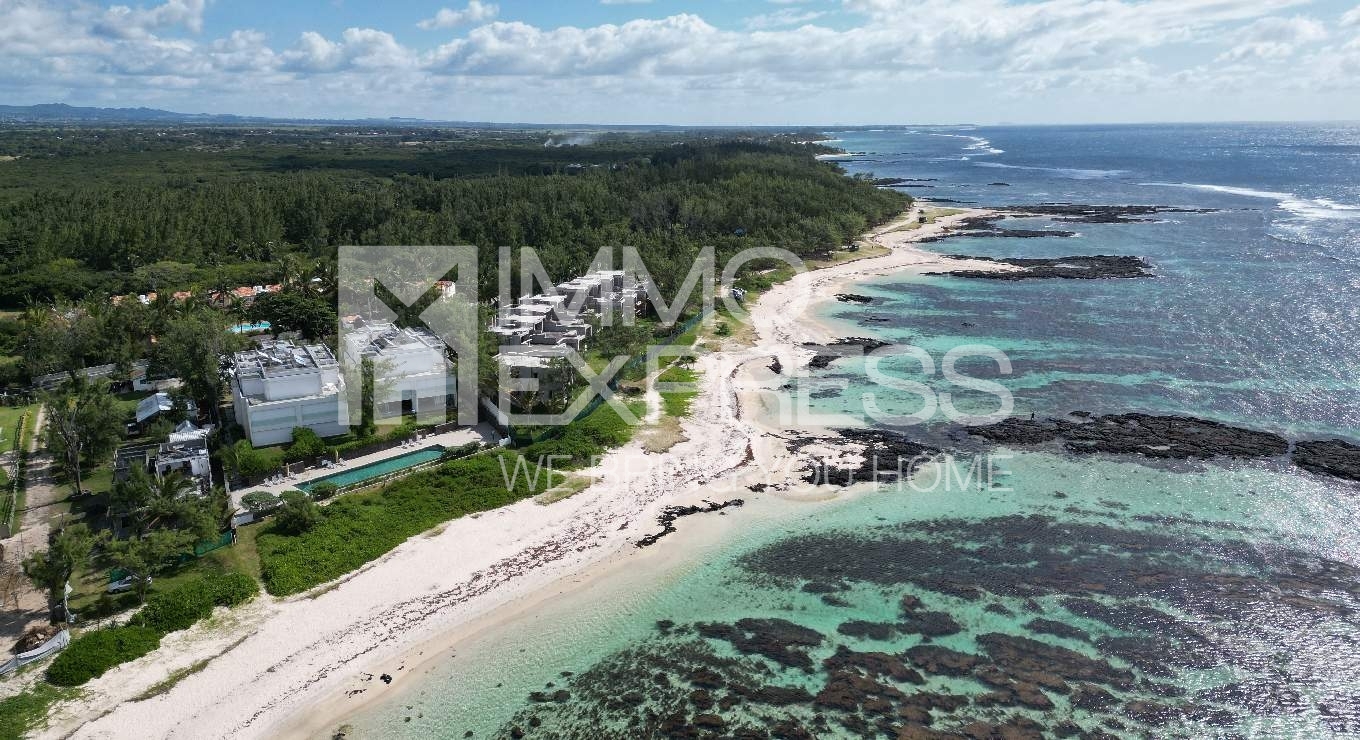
(290, 271)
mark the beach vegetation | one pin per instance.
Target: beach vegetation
(180, 607)
(361, 527)
(93, 653)
(26, 712)
(677, 403)
(298, 514)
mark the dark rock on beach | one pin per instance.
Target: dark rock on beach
(887, 457)
(853, 298)
(671, 513)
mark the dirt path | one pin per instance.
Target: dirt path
(24, 604)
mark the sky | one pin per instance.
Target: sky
(710, 62)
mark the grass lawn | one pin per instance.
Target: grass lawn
(677, 403)
(9, 420)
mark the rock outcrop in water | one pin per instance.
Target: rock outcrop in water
(842, 348)
(1093, 267)
(987, 225)
(1089, 214)
(1332, 457)
(1155, 603)
(1171, 437)
(880, 456)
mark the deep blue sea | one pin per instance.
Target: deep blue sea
(1254, 316)
(1092, 596)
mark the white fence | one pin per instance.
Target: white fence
(58, 641)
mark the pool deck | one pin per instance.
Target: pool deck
(455, 438)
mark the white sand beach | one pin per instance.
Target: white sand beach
(297, 667)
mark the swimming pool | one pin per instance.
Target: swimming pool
(248, 328)
(350, 476)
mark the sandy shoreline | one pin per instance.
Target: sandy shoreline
(290, 667)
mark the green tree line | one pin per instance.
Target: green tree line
(73, 241)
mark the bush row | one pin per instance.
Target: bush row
(180, 607)
(361, 527)
(93, 653)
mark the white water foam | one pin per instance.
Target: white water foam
(1069, 172)
(1312, 209)
(979, 144)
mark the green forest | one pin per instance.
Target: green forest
(135, 221)
(86, 214)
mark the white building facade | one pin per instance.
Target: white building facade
(281, 385)
(412, 371)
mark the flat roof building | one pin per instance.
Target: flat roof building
(280, 385)
(412, 370)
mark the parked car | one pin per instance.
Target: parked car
(126, 583)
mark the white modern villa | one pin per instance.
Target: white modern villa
(280, 385)
(412, 371)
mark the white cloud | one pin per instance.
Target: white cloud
(363, 48)
(475, 12)
(122, 20)
(776, 61)
(1351, 18)
(1274, 38)
(782, 18)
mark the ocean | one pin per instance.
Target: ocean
(1065, 595)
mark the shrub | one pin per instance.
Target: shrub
(306, 444)
(400, 432)
(587, 437)
(260, 502)
(93, 653)
(323, 490)
(180, 607)
(177, 608)
(234, 588)
(254, 463)
(298, 514)
(453, 453)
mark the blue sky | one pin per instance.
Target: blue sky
(707, 62)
